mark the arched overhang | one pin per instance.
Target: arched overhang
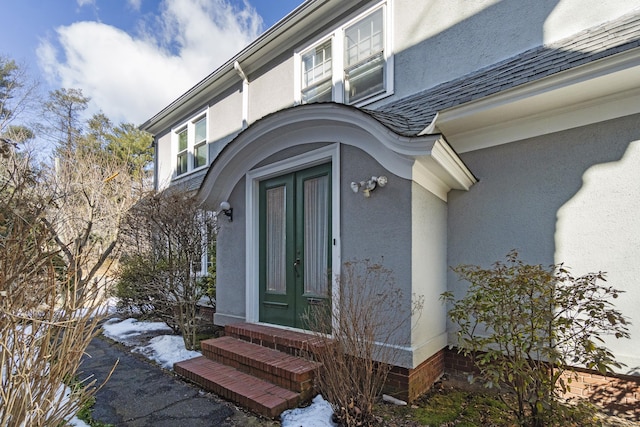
(428, 159)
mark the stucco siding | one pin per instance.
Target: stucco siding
(567, 197)
(272, 90)
(379, 227)
(225, 116)
(231, 264)
(437, 41)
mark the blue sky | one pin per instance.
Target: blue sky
(132, 57)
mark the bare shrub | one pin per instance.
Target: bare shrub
(167, 236)
(45, 325)
(369, 330)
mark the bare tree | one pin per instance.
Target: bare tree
(59, 234)
(44, 328)
(91, 194)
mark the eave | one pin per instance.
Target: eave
(427, 160)
(601, 90)
(304, 21)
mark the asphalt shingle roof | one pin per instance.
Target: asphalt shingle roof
(410, 115)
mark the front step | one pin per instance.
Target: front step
(254, 366)
(290, 342)
(253, 393)
(284, 370)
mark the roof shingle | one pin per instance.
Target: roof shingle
(410, 115)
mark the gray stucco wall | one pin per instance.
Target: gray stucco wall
(568, 197)
(437, 41)
(165, 164)
(378, 227)
(231, 267)
(225, 115)
(272, 89)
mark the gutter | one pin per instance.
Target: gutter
(601, 68)
(254, 47)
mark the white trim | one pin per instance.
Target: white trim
(297, 65)
(313, 123)
(594, 92)
(189, 126)
(253, 178)
(245, 94)
(336, 35)
(442, 170)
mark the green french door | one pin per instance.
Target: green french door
(295, 244)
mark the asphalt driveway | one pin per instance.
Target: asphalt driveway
(141, 394)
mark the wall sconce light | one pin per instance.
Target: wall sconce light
(370, 185)
(227, 210)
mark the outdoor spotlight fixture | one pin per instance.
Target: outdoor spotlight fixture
(227, 210)
(368, 186)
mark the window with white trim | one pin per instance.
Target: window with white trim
(317, 85)
(353, 64)
(364, 58)
(191, 145)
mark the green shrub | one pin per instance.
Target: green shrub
(526, 325)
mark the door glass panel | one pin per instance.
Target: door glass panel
(316, 229)
(276, 219)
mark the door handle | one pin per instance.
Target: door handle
(295, 267)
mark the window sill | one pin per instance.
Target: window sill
(371, 99)
(180, 177)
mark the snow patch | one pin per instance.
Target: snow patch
(122, 330)
(317, 415)
(166, 350)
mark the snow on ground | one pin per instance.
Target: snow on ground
(317, 415)
(123, 330)
(77, 422)
(168, 349)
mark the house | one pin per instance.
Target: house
(493, 124)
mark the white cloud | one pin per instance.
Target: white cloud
(135, 4)
(131, 77)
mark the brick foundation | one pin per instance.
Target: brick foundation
(408, 384)
(616, 394)
(619, 394)
(206, 313)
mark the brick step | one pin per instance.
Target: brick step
(257, 395)
(290, 342)
(291, 372)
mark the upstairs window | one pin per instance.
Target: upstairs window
(191, 146)
(183, 153)
(364, 58)
(353, 64)
(200, 143)
(317, 85)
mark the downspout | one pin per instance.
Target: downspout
(245, 94)
(154, 146)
